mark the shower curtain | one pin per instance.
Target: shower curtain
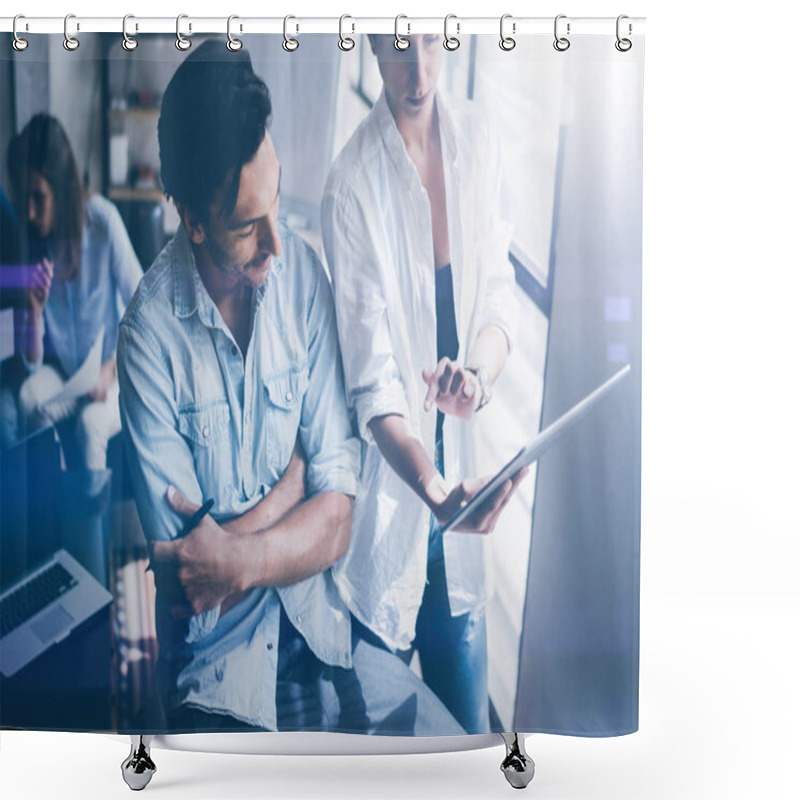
(271, 317)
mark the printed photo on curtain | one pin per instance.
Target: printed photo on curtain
(321, 385)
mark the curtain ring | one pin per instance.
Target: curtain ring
(345, 42)
(290, 44)
(233, 44)
(451, 42)
(401, 42)
(623, 45)
(70, 42)
(507, 42)
(181, 42)
(561, 43)
(129, 43)
(19, 44)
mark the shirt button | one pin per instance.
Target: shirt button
(289, 396)
(233, 349)
(269, 645)
(205, 432)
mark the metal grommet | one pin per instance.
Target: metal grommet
(19, 44)
(345, 42)
(70, 42)
(561, 43)
(451, 42)
(507, 42)
(233, 43)
(289, 43)
(623, 45)
(181, 42)
(400, 42)
(128, 42)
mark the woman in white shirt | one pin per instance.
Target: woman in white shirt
(418, 245)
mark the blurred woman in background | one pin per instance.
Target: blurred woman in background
(82, 270)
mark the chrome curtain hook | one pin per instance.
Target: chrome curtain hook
(128, 42)
(561, 43)
(233, 43)
(623, 45)
(181, 42)
(70, 42)
(507, 42)
(345, 42)
(401, 42)
(19, 44)
(290, 44)
(451, 42)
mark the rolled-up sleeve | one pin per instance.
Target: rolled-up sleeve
(372, 379)
(326, 431)
(157, 455)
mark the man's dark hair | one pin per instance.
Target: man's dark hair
(214, 116)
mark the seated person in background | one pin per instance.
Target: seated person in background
(82, 267)
(231, 389)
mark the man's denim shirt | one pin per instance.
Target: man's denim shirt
(199, 416)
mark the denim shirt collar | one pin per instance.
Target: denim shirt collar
(396, 147)
(190, 294)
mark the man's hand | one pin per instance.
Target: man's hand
(40, 278)
(452, 388)
(202, 569)
(107, 374)
(484, 518)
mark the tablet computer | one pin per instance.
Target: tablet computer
(531, 452)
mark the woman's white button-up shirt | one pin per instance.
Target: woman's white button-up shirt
(378, 238)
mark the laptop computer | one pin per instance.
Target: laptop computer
(44, 592)
(530, 453)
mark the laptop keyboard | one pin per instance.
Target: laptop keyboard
(33, 596)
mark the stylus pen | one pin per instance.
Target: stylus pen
(193, 522)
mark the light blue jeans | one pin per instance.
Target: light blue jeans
(452, 650)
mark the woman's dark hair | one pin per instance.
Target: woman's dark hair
(42, 146)
(214, 116)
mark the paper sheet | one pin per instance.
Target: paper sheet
(84, 379)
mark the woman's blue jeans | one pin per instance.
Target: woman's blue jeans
(452, 650)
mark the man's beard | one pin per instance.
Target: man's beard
(220, 260)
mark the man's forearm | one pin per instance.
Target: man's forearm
(287, 494)
(308, 540)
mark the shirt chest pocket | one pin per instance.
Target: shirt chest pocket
(206, 430)
(284, 393)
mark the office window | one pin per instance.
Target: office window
(528, 122)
